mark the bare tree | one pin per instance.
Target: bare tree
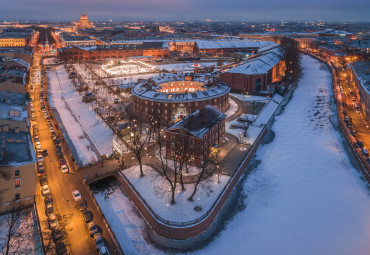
(138, 138)
(17, 229)
(203, 166)
(170, 176)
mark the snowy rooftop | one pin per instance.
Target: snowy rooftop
(18, 149)
(149, 89)
(12, 112)
(362, 72)
(200, 121)
(259, 65)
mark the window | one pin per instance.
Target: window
(17, 172)
(17, 183)
(17, 196)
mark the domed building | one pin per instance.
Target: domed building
(84, 22)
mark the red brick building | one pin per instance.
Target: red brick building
(173, 97)
(196, 134)
(257, 73)
(121, 51)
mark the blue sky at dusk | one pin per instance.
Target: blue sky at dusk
(252, 10)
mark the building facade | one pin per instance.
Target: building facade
(174, 97)
(196, 135)
(361, 76)
(257, 73)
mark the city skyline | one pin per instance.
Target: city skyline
(165, 10)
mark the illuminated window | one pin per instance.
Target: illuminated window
(17, 183)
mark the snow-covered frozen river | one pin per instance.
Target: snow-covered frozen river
(305, 197)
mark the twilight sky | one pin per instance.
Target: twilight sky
(268, 10)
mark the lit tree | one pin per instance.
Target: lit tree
(139, 138)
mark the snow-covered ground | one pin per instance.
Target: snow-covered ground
(157, 193)
(233, 107)
(259, 122)
(305, 197)
(84, 127)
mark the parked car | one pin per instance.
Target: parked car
(87, 216)
(45, 190)
(62, 161)
(40, 158)
(58, 234)
(52, 221)
(48, 199)
(43, 181)
(360, 144)
(364, 152)
(99, 242)
(60, 247)
(76, 195)
(92, 228)
(49, 209)
(65, 169)
(81, 204)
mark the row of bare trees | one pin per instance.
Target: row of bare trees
(140, 136)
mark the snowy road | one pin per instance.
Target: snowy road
(305, 197)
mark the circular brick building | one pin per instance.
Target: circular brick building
(174, 96)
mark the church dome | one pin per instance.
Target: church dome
(84, 17)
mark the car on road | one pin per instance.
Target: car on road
(87, 216)
(40, 158)
(364, 152)
(43, 181)
(353, 133)
(99, 242)
(104, 251)
(52, 221)
(360, 144)
(76, 195)
(48, 199)
(49, 209)
(64, 168)
(81, 204)
(62, 161)
(60, 247)
(58, 234)
(60, 155)
(92, 228)
(45, 190)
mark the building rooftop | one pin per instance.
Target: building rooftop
(16, 149)
(259, 64)
(362, 71)
(12, 98)
(200, 121)
(149, 90)
(12, 112)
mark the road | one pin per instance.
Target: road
(61, 186)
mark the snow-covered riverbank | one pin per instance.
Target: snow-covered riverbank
(305, 197)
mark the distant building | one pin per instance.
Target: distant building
(15, 37)
(67, 39)
(196, 134)
(84, 22)
(257, 73)
(121, 51)
(361, 76)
